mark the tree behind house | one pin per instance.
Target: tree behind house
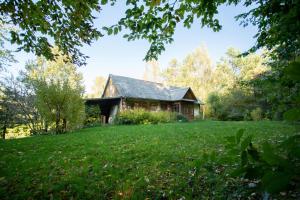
(194, 71)
(98, 87)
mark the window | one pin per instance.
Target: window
(153, 107)
(164, 106)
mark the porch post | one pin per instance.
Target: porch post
(180, 108)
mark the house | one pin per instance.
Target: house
(121, 93)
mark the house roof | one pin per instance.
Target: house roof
(136, 88)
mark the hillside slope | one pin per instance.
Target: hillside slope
(146, 161)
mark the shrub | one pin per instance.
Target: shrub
(18, 131)
(271, 167)
(181, 118)
(92, 115)
(141, 116)
(256, 114)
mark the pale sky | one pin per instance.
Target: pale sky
(115, 55)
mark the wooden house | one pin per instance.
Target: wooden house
(123, 93)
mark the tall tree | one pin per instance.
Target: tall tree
(8, 110)
(152, 71)
(231, 96)
(6, 57)
(68, 23)
(98, 87)
(194, 71)
(59, 91)
(17, 106)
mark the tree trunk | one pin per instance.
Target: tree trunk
(57, 120)
(3, 132)
(64, 125)
(46, 126)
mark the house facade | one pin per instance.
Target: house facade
(122, 93)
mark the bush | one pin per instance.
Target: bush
(141, 116)
(18, 131)
(256, 114)
(271, 167)
(92, 115)
(181, 118)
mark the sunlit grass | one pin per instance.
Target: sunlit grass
(146, 161)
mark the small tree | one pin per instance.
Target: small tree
(7, 113)
(17, 105)
(59, 91)
(92, 114)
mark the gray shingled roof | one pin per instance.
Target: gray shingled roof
(135, 88)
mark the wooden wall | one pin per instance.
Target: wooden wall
(110, 90)
(185, 108)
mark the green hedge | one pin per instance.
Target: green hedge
(141, 116)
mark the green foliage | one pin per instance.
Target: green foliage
(8, 112)
(278, 89)
(59, 91)
(181, 117)
(230, 98)
(68, 23)
(292, 114)
(278, 27)
(232, 106)
(141, 116)
(292, 71)
(18, 131)
(256, 114)
(156, 22)
(194, 71)
(92, 115)
(275, 167)
(98, 87)
(6, 57)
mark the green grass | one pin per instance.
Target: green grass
(137, 162)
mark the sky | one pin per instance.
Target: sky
(115, 55)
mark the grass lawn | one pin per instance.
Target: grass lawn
(136, 162)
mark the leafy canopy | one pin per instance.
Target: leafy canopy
(69, 24)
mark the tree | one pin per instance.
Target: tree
(16, 105)
(70, 23)
(58, 88)
(156, 21)
(194, 71)
(278, 26)
(231, 96)
(6, 57)
(8, 115)
(152, 71)
(278, 89)
(24, 98)
(98, 87)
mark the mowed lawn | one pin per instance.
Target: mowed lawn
(131, 162)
